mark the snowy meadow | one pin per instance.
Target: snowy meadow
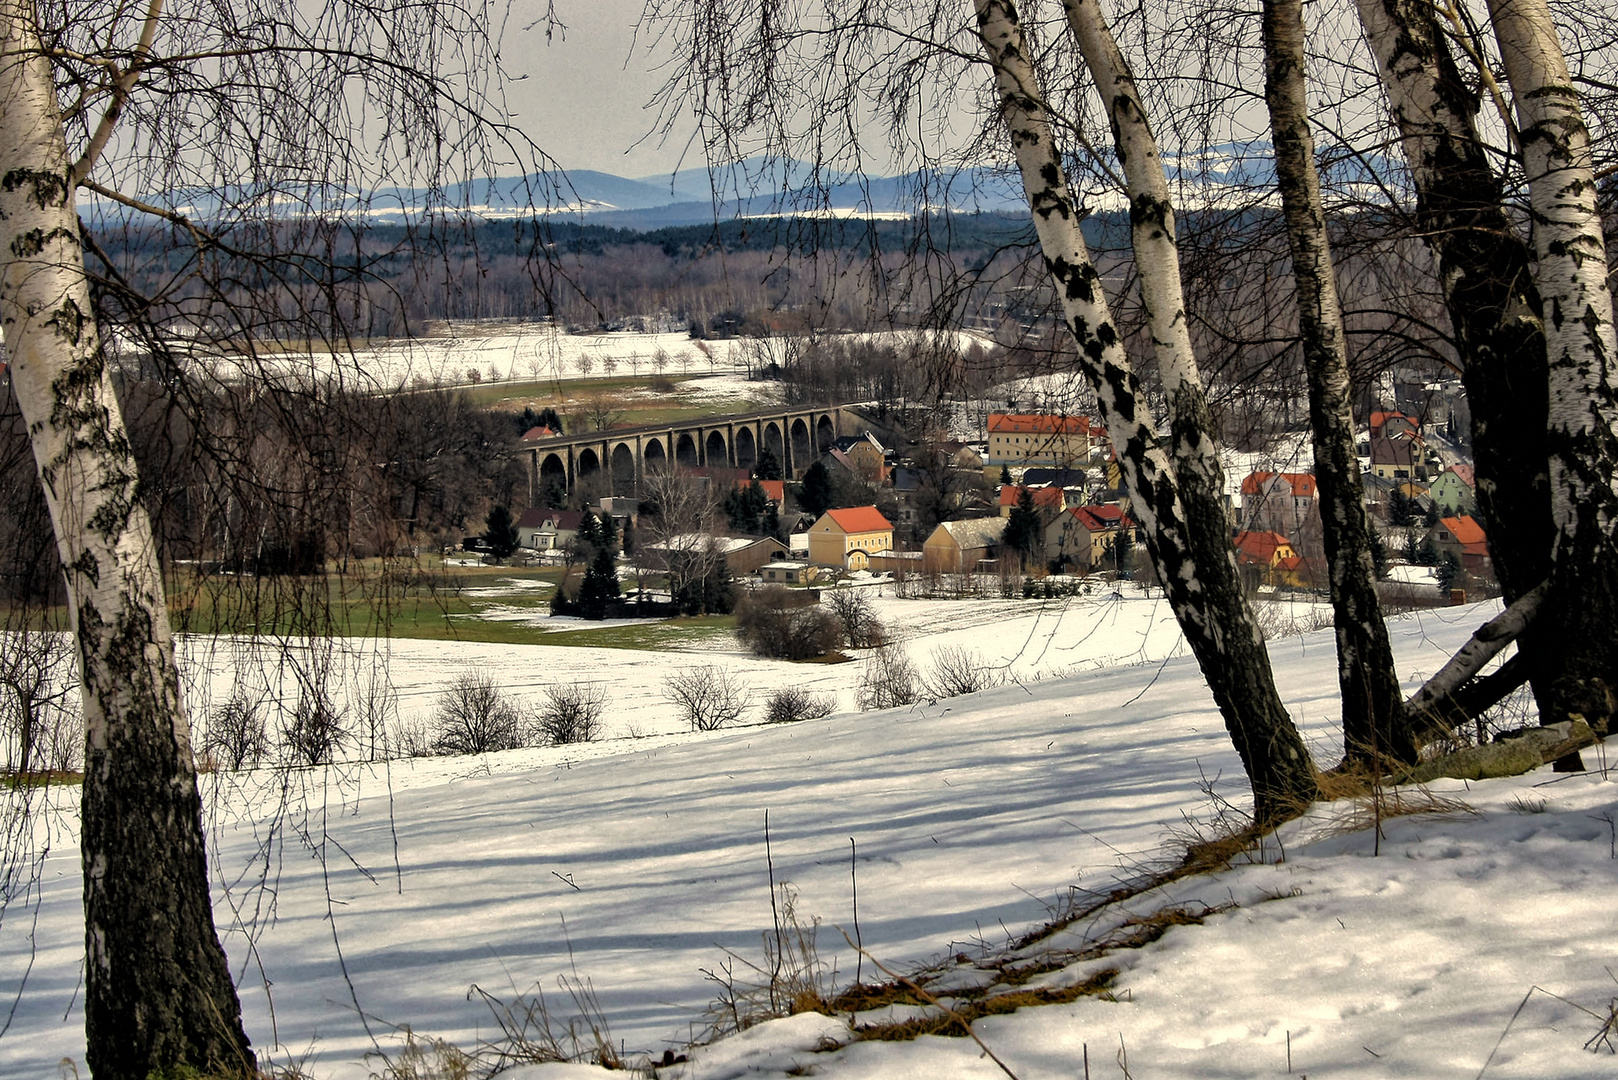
(628, 880)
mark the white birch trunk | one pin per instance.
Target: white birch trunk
(1582, 429)
(1373, 716)
(1187, 538)
(1194, 448)
(157, 993)
(1484, 269)
(1572, 262)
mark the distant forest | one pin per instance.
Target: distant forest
(391, 280)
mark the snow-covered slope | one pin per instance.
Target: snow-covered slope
(366, 897)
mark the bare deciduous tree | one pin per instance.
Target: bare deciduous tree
(571, 713)
(474, 716)
(176, 119)
(38, 689)
(707, 698)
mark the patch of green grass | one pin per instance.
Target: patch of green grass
(664, 635)
(42, 778)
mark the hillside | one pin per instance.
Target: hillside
(355, 901)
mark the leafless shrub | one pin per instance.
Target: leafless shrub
(773, 622)
(377, 710)
(237, 735)
(856, 618)
(316, 730)
(707, 698)
(475, 716)
(571, 713)
(39, 715)
(1278, 620)
(794, 703)
(955, 671)
(889, 680)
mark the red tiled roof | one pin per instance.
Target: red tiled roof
(1465, 529)
(1465, 474)
(1302, 484)
(1381, 417)
(774, 490)
(1101, 518)
(1044, 497)
(534, 434)
(1038, 424)
(1258, 546)
(860, 519)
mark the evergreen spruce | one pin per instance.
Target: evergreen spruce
(501, 535)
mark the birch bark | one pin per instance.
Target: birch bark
(1483, 268)
(1186, 533)
(1373, 716)
(158, 994)
(1582, 433)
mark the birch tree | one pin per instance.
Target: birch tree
(1484, 271)
(1373, 720)
(1571, 274)
(183, 104)
(1544, 469)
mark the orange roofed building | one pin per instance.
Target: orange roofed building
(1039, 439)
(848, 537)
(1463, 538)
(1283, 502)
(1272, 556)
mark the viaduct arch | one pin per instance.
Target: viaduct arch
(623, 457)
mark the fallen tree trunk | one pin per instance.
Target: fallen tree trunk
(1488, 642)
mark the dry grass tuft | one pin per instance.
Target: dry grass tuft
(956, 1019)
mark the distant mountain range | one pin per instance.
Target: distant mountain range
(761, 186)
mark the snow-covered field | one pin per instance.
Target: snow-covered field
(1014, 640)
(468, 352)
(361, 898)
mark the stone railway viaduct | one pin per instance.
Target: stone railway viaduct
(624, 456)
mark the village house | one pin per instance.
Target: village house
(1463, 539)
(1283, 502)
(956, 547)
(1454, 491)
(548, 530)
(1400, 456)
(1084, 538)
(1049, 502)
(861, 455)
(848, 537)
(1268, 558)
(1039, 439)
(787, 572)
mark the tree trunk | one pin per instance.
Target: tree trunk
(1483, 268)
(1186, 532)
(158, 994)
(1582, 434)
(1373, 716)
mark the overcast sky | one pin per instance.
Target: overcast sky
(582, 97)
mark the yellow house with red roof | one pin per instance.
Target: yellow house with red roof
(1272, 556)
(849, 536)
